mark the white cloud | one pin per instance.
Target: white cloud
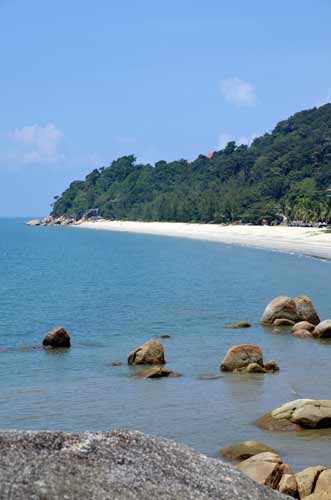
(238, 92)
(224, 138)
(39, 143)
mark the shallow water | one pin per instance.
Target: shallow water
(113, 291)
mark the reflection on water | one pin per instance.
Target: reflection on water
(115, 291)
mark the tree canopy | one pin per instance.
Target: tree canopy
(284, 172)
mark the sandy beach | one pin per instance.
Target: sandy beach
(312, 242)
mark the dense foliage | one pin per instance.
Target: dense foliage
(286, 172)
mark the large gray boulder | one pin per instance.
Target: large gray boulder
(294, 309)
(119, 465)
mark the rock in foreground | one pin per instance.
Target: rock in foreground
(121, 465)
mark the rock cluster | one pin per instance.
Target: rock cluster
(246, 358)
(291, 309)
(117, 465)
(266, 467)
(297, 415)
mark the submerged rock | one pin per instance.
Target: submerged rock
(150, 353)
(298, 414)
(116, 363)
(157, 372)
(244, 450)
(302, 334)
(117, 465)
(283, 322)
(294, 309)
(57, 338)
(241, 324)
(240, 356)
(303, 325)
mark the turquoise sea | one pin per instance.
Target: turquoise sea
(113, 291)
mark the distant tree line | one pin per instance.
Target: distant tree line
(286, 172)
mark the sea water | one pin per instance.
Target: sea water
(112, 292)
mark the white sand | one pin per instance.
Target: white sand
(306, 241)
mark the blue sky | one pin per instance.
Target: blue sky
(84, 82)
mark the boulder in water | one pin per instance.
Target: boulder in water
(57, 338)
(244, 450)
(150, 353)
(294, 309)
(157, 372)
(303, 325)
(298, 414)
(240, 356)
(323, 329)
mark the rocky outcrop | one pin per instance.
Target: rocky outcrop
(244, 450)
(323, 329)
(117, 465)
(298, 414)
(157, 372)
(294, 309)
(57, 338)
(150, 353)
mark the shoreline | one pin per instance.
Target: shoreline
(307, 241)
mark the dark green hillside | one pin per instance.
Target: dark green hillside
(285, 172)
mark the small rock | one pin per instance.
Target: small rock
(210, 377)
(303, 325)
(244, 450)
(241, 324)
(116, 363)
(323, 329)
(157, 372)
(33, 222)
(283, 322)
(57, 338)
(240, 356)
(271, 366)
(150, 353)
(306, 480)
(255, 368)
(165, 336)
(302, 334)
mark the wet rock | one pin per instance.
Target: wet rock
(210, 377)
(241, 324)
(304, 413)
(117, 465)
(283, 322)
(240, 356)
(150, 353)
(323, 330)
(157, 372)
(294, 309)
(244, 450)
(306, 480)
(303, 325)
(57, 338)
(255, 368)
(288, 486)
(271, 366)
(269, 423)
(116, 363)
(302, 334)
(165, 336)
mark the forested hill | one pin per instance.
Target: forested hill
(285, 172)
